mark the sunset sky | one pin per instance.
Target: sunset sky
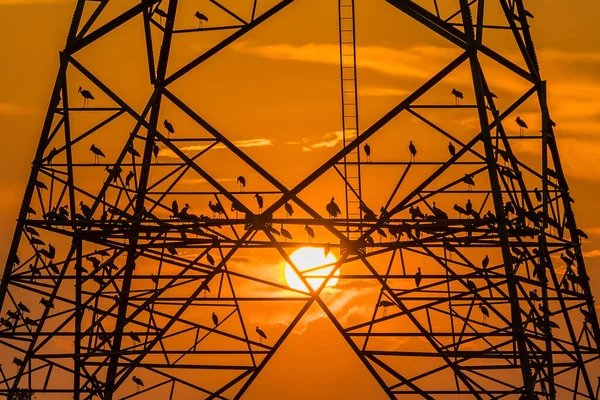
(275, 93)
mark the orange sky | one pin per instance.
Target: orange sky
(275, 94)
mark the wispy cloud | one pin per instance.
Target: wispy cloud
(406, 63)
(328, 140)
(238, 143)
(11, 108)
(28, 2)
(199, 181)
(377, 91)
(591, 254)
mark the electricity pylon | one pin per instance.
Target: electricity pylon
(117, 287)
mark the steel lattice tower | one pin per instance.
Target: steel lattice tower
(107, 279)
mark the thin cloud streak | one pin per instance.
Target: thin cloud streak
(238, 143)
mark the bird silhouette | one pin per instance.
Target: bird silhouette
(23, 307)
(332, 208)
(87, 96)
(289, 210)
(46, 303)
(458, 96)
(128, 178)
(216, 208)
(538, 195)
(259, 201)
(138, 382)
(484, 311)
(367, 151)
(327, 249)
(285, 233)
(413, 151)
(418, 277)
(261, 333)
(201, 18)
(135, 337)
(460, 210)
(210, 259)
(215, 319)
(451, 149)
(242, 182)
(162, 14)
(385, 304)
(534, 296)
(485, 262)
(522, 125)
(169, 127)
(175, 209)
(468, 180)
(155, 151)
(97, 153)
(310, 231)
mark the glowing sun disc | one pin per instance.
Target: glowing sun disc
(309, 258)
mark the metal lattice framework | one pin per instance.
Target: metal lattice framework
(111, 280)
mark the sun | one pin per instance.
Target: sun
(309, 259)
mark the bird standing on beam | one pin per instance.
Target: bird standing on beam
(201, 18)
(97, 153)
(87, 96)
(169, 127)
(413, 151)
(368, 151)
(458, 96)
(522, 125)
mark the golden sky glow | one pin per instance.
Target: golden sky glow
(275, 94)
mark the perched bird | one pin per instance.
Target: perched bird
(485, 262)
(138, 382)
(169, 127)
(534, 296)
(332, 208)
(460, 210)
(217, 208)
(131, 150)
(46, 303)
(538, 195)
(175, 209)
(289, 210)
(242, 182)
(468, 179)
(97, 153)
(310, 231)
(385, 304)
(522, 125)
(201, 18)
(413, 151)
(451, 149)
(210, 259)
(367, 151)
(155, 151)
(484, 311)
(261, 333)
(128, 178)
(87, 96)
(285, 233)
(327, 249)
(458, 96)
(135, 337)
(215, 319)
(418, 277)
(23, 307)
(259, 201)
(162, 14)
